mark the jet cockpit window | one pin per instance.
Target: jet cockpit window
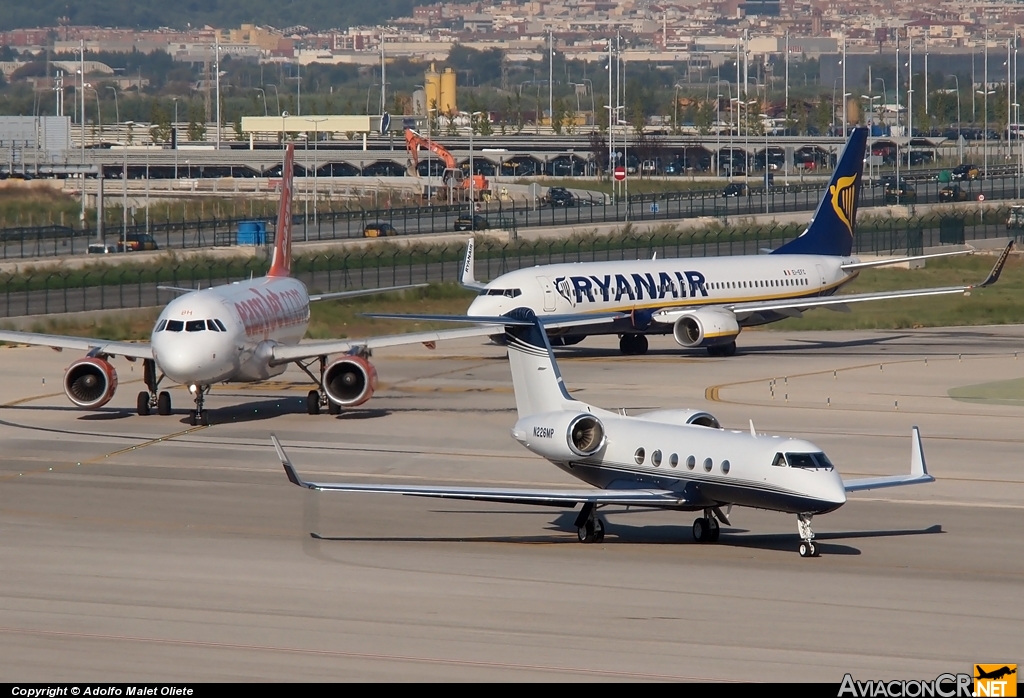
(175, 325)
(195, 325)
(160, 326)
(220, 325)
(212, 326)
(507, 292)
(808, 461)
(779, 460)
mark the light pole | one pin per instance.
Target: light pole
(316, 141)
(368, 97)
(175, 129)
(675, 106)
(984, 134)
(845, 93)
(262, 92)
(277, 95)
(117, 109)
(216, 60)
(124, 194)
(472, 178)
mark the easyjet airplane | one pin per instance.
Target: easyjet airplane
(706, 302)
(240, 332)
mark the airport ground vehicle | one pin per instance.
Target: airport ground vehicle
(1015, 219)
(137, 242)
(736, 189)
(559, 196)
(455, 182)
(474, 222)
(379, 230)
(953, 193)
(965, 172)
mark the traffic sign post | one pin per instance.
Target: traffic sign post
(654, 208)
(619, 173)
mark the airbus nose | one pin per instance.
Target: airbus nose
(187, 353)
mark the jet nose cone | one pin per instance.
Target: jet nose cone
(186, 358)
(480, 307)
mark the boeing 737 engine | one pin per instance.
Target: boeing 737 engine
(350, 381)
(562, 436)
(90, 382)
(714, 328)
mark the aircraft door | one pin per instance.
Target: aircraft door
(821, 276)
(549, 294)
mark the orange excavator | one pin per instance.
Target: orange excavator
(453, 177)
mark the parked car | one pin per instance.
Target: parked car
(378, 230)
(474, 222)
(736, 189)
(560, 196)
(953, 193)
(904, 194)
(101, 248)
(965, 172)
(137, 242)
(1015, 221)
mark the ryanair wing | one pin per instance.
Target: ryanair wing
(130, 350)
(550, 497)
(853, 266)
(843, 299)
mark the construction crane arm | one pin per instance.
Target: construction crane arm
(414, 141)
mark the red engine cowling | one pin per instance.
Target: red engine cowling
(350, 381)
(90, 382)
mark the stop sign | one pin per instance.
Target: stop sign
(620, 173)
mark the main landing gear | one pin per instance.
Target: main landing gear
(150, 400)
(589, 527)
(197, 417)
(723, 350)
(630, 344)
(803, 527)
(706, 529)
(317, 399)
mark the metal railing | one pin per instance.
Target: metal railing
(384, 265)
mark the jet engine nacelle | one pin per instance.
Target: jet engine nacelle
(350, 381)
(90, 382)
(698, 418)
(706, 327)
(561, 436)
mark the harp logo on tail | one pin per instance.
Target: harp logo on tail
(844, 194)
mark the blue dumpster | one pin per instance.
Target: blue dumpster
(252, 233)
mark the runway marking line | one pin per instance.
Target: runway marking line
(100, 459)
(340, 654)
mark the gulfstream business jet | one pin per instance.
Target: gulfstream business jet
(706, 302)
(241, 332)
(674, 459)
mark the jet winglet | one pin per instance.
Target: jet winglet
(998, 268)
(918, 471)
(289, 469)
(918, 468)
(468, 277)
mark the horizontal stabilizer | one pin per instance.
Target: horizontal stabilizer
(918, 471)
(902, 260)
(549, 321)
(361, 292)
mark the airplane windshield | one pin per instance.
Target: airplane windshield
(175, 325)
(507, 292)
(809, 460)
(160, 326)
(195, 325)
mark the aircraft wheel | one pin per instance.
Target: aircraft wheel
(586, 532)
(640, 344)
(204, 419)
(808, 550)
(313, 402)
(729, 349)
(626, 344)
(192, 418)
(714, 532)
(142, 404)
(598, 531)
(163, 404)
(700, 530)
(333, 407)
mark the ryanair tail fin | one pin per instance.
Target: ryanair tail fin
(281, 262)
(536, 380)
(831, 230)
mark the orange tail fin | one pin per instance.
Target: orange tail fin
(281, 262)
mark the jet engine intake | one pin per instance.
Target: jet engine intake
(585, 435)
(350, 381)
(90, 382)
(706, 327)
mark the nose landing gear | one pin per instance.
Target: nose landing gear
(150, 400)
(197, 417)
(633, 344)
(803, 527)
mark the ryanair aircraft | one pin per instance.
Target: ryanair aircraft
(705, 302)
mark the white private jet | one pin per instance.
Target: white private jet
(666, 459)
(240, 332)
(705, 302)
